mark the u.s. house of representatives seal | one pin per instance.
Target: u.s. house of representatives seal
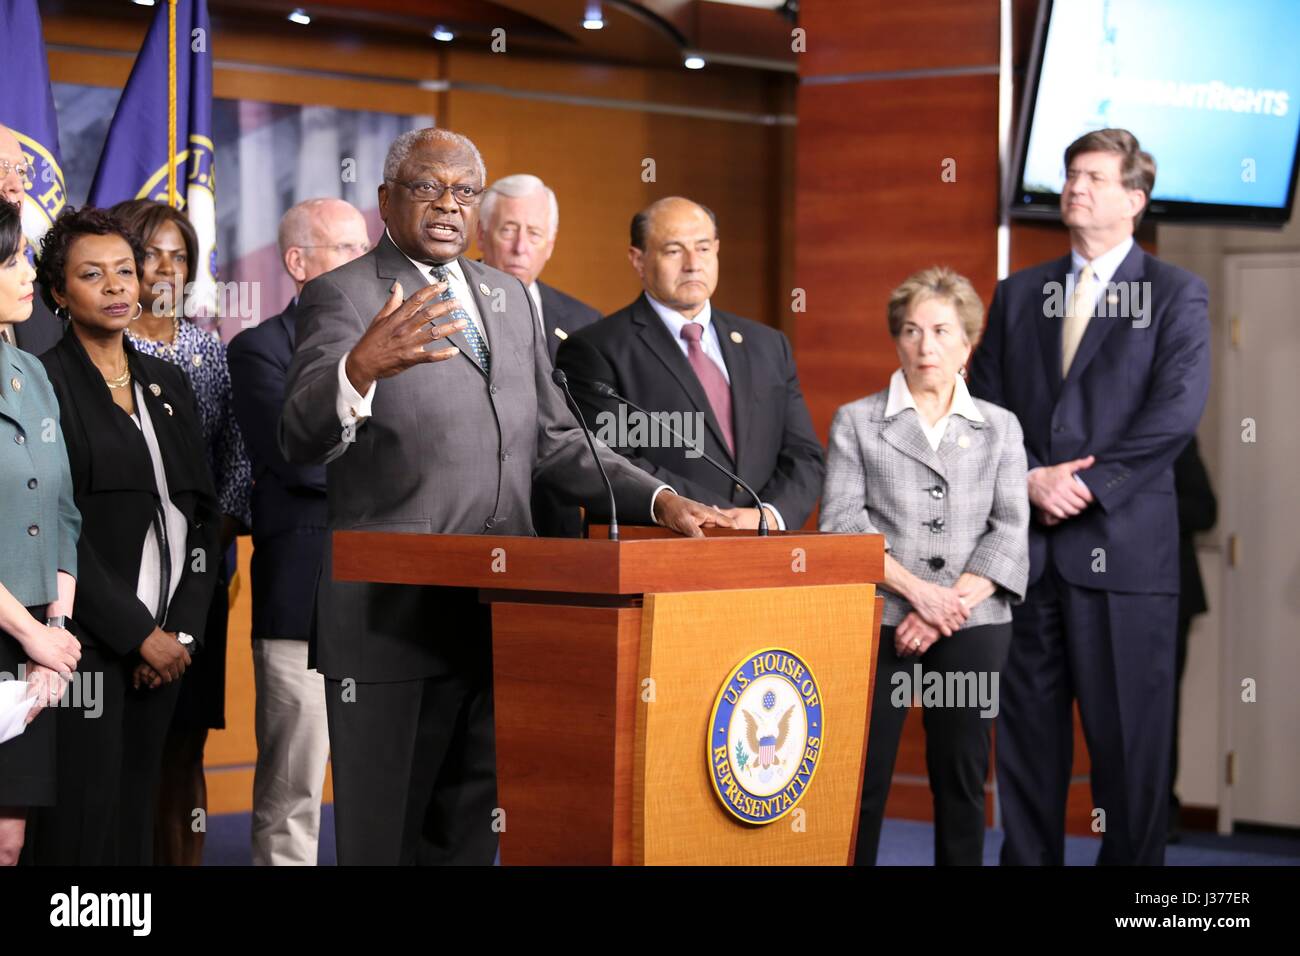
(765, 735)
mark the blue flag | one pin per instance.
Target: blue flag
(159, 144)
(27, 108)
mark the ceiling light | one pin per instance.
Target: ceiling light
(443, 34)
(693, 62)
(592, 19)
(299, 16)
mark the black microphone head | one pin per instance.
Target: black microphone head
(559, 378)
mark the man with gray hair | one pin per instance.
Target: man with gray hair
(516, 232)
(289, 527)
(422, 379)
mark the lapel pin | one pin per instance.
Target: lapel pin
(737, 337)
(483, 287)
(155, 389)
(167, 408)
(561, 334)
(16, 383)
(963, 441)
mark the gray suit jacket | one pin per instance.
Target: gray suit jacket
(447, 450)
(963, 508)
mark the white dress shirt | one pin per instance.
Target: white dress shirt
(1104, 266)
(353, 407)
(674, 321)
(535, 291)
(900, 397)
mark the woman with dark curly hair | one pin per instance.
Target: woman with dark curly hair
(38, 563)
(170, 259)
(147, 555)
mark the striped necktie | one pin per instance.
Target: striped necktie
(472, 335)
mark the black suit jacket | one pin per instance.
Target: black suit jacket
(114, 488)
(1198, 510)
(290, 509)
(42, 331)
(777, 451)
(562, 315)
(1133, 398)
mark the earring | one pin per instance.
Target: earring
(962, 371)
(139, 311)
(61, 313)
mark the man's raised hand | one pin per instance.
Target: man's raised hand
(398, 336)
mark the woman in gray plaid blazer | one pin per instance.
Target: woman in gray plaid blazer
(942, 477)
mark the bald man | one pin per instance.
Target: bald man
(673, 351)
(289, 527)
(42, 331)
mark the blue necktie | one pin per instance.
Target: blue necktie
(440, 274)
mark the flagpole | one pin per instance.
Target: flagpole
(171, 103)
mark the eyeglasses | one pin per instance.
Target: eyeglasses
(25, 171)
(344, 248)
(425, 191)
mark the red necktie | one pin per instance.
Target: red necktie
(711, 377)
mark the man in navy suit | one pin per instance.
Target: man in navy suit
(290, 518)
(517, 227)
(1104, 356)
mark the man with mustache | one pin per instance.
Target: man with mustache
(422, 378)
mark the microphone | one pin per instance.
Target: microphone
(605, 390)
(562, 380)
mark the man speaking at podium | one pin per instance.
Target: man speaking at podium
(448, 443)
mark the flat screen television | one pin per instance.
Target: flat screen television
(1211, 88)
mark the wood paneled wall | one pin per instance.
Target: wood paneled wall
(585, 128)
(889, 93)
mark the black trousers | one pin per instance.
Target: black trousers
(107, 772)
(1114, 652)
(414, 770)
(956, 740)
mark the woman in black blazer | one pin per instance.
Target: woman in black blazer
(147, 555)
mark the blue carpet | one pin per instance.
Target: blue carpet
(902, 843)
(229, 840)
(909, 843)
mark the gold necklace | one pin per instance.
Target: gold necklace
(119, 381)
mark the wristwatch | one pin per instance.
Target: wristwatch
(57, 620)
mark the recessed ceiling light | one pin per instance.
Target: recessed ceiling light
(143, 3)
(693, 62)
(443, 34)
(593, 19)
(299, 16)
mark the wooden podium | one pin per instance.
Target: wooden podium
(609, 658)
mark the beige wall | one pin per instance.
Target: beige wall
(1203, 249)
